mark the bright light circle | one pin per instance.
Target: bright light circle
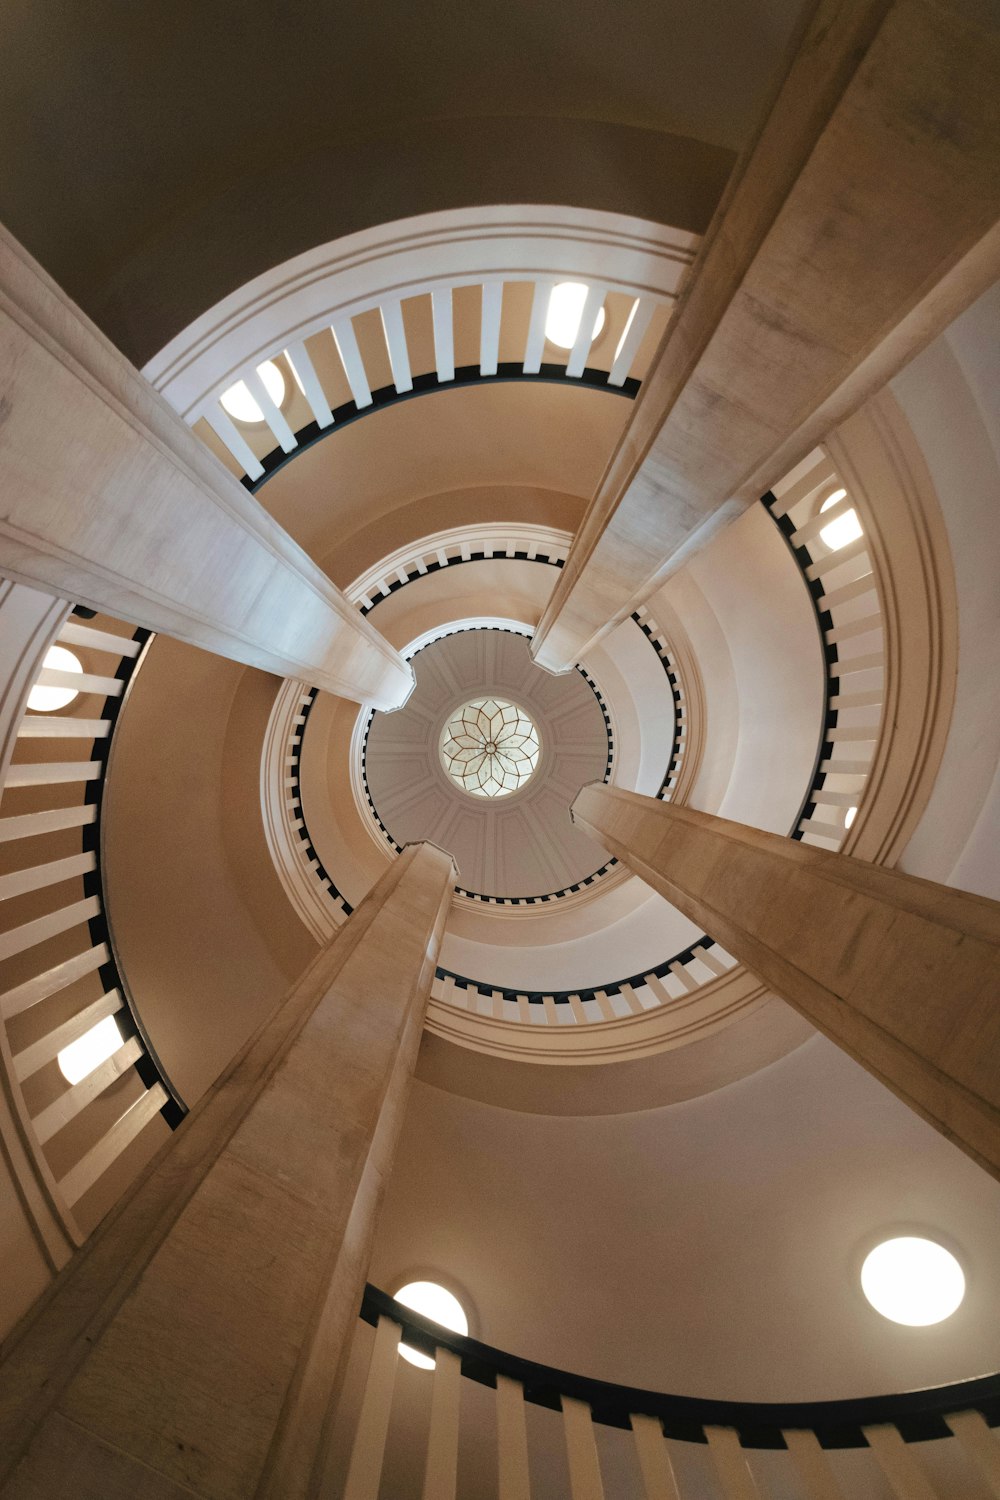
(562, 321)
(238, 401)
(849, 817)
(913, 1281)
(46, 700)
(81, 1057)
(489, 747)
(432, 1301)
(845, 529)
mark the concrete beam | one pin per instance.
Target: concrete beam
(862, 222)
(904, 974)
(195, 1344)
(107, 498)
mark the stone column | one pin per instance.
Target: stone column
(194, 1349)
(863, 221)
(902, 973)
(110, 500)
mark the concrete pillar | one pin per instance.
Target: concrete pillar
(902, 973)
(110, 500)
(194, 1348)
(863, 221)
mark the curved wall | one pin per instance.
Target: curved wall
(950, 397)
(207, 938)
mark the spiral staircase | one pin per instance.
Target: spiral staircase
(647, 1177)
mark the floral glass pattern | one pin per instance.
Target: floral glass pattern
(489, 747)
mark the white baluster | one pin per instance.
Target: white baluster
(581, 1450)
(444, 338)
(654, 1460)
(585, 333)
(302, 366)
(489, 336)
(365, 1469)
(395, 341)
(231, 438)
(898, 1464)
(350, 357)
(111, 1145)
(971, 1430)
(812, 1465)
(639, 320)
(270, 411)
(513, 1481)
(535, 347)
(441, 1469)
(731, 1464)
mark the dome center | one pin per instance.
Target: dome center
(490, 747)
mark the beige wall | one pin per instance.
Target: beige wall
(950, 397)
(208, 942)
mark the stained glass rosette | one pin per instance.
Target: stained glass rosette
(489, 747)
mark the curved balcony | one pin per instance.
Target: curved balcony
(682, 1447)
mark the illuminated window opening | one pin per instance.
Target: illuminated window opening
(243, 406)
(46, 700)
(431, 1301)
(490, 747)
(913, 1281)
(80, 1058)
(562, 321)
(845, 529)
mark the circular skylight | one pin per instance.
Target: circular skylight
(562, 321)
(239, 402)
(432, 1301)
(913, 1281)
(489, 747)
(46, 699)
(845, 529)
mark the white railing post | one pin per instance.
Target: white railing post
(812, 1465)
(365, 1469)
(898, 1464)
(441, 1469)
(513, 1479)
(977, 1439)
(581, 1450)
(658, 1477)
(731, 1464)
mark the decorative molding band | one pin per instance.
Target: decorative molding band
(431, 252)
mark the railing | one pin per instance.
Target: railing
(674, 978)
(59, 977)
(424, 342)
(844, 590)
(810, 1433)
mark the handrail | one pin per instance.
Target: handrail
(423, 385)
(34, 990)
(337, 356)
(917, 1415)
(845, 609)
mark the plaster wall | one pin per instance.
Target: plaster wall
(951, 397)
(207, 940)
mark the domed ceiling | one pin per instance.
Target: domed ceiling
(517, 843)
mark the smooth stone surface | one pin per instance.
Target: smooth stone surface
(904, 974)
(821, 276)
